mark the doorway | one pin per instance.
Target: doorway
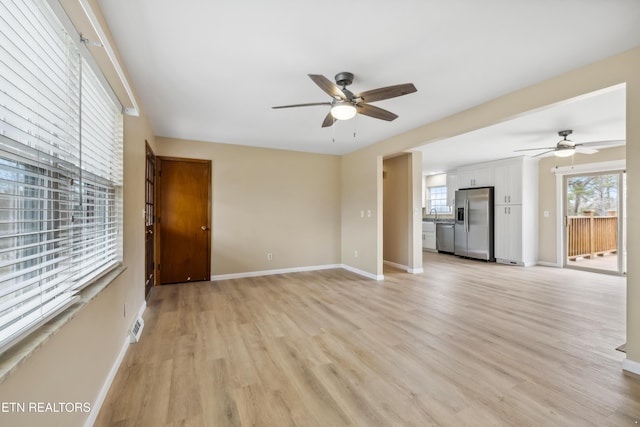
(594, 223)
(149, 220)
(184, 200)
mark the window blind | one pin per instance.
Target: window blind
(438, 199)
(60, 169)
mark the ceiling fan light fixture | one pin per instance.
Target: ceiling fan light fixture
(343, 110)
(564, 152)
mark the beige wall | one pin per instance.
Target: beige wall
(268, 201)
(362, 237)
(361, 186)
(548, 197)
(396, 182)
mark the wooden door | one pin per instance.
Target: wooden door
(184, 219)
(149, 221)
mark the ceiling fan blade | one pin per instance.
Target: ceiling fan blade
(386, 92)
(541, 148)
(329, 120)
(328, 86)
(583, 150)
(375, 112)
(602, 143)
(302, 105)
(546, 152)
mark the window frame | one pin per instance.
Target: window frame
(438, 203)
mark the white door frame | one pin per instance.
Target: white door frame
(587, 168)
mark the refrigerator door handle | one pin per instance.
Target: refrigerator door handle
(466, 216)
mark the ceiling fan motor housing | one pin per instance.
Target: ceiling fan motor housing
(344, 78)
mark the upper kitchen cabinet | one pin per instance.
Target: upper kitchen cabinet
(515, 180)
(474, 176)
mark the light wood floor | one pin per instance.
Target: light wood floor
(464, 343)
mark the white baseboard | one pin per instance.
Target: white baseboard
(298, 270)
(366, 274)
(396, 265)
(95, 408)
(97, 405)
(631, 366)
(548, 264)
(404, 267)
(276, 271)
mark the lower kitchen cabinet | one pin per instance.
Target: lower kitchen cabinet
(515, 235)
(508, 234)
(429, 236)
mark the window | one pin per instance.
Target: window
(60, 169)
(438, 199)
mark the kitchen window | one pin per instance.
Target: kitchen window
(438, 199)
(60, 169)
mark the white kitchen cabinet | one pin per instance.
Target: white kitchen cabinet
(429, 236)
(508, 236)
(516, 207)
(508, 184)
(468, 177)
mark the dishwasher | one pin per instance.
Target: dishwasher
(445, 237)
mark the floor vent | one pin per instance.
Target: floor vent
(136, 330)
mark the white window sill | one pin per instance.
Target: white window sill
(13, 357)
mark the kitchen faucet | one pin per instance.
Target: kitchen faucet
(435, 211)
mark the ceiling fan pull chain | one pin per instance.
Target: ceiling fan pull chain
(355, 120)
(333, 131)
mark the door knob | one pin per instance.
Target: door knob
(203, 227)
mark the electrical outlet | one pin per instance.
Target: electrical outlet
(269, 257)
(124, 309)
(355, 253)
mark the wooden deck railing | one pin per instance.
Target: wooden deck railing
(592, 235)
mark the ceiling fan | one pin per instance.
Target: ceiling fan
(345, 104)
(565, 147)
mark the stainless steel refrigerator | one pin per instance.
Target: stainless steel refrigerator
(474, 223)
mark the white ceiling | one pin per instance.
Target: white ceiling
(211, 70)
(593, 117)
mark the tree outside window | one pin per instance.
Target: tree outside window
(598, 193)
